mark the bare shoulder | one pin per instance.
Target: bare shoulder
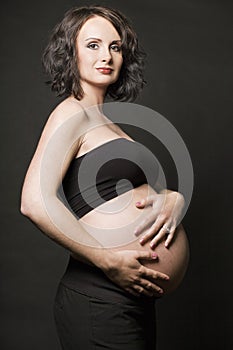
(69, 118)
(61, 134)
(65, 110)
(59, 142)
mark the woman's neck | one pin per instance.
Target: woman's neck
(93, 95)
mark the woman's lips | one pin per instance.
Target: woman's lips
(105, 70)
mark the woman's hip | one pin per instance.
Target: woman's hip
(87, 322)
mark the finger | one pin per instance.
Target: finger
(155, 241)
(162, 233)
(144, 223)
(155, 216)
(143, 291)
(151, 287)
(146, 255)
(170, 237)
(151, 274)
(151, 232)
(141, 203)
(146, 201)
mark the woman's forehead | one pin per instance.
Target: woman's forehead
(98, 27)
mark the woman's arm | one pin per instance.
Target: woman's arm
(57, 146)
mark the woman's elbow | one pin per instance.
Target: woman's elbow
(28, 205)
(25, 208)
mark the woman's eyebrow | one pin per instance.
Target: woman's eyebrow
(93, 38)
(97, 39)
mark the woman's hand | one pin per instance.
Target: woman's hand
(124, 268)
(163, 218)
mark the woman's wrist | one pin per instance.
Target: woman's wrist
(177, 195)
(102, 259)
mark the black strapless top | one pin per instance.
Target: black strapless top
(107, 171)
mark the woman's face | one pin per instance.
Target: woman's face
(98, 46)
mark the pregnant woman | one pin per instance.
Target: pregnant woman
(107, 294)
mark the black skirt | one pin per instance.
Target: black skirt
(93, 313)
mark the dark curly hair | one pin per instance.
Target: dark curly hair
(59, 58)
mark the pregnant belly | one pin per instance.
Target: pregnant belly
(172, 261)
(113, 224)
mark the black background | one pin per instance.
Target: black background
(189, 48)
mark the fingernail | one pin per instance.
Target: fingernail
(154, 256)
(138, 203)
(152, 245)
(160, 291)
(141, 241)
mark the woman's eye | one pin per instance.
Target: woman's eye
(92, 46)
(116, 48)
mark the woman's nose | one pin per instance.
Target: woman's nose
(106, 56)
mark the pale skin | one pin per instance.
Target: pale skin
(160, 271)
